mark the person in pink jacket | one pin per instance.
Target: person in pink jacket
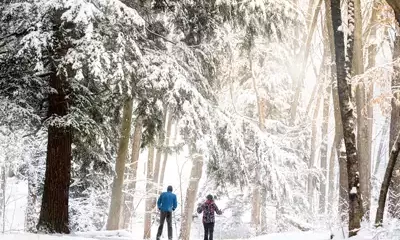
(208, 208)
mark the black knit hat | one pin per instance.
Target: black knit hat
(169, 188)
(209, 197)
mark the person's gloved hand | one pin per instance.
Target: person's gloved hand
(173, 209)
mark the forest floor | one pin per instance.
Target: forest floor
(123, 236)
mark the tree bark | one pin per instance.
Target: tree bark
(118, 183)
(195, 176)
(347, 112)
(165, 157)
(311, 163)
(149, 194)
(54, 209)
(129, 207)
(386, 181)
(394, 202)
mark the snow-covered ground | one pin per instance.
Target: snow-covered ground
(120, 235)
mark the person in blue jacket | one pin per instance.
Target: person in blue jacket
(166, 204)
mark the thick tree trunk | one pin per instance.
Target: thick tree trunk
(54, 209)
(149, 205)
(343, 66)
(129, 207)
(297, 95)
(394, 202)
(118, 183)
(165, 157)
(386, 181)
(311, 163)
(195, 176)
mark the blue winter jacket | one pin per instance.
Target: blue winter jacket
(167, 202)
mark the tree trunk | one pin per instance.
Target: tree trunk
(54, 209)
(30, 214)
(343, 181)
(340, 149)
(149, 194)
(381, 149)
(311, 163)
(263, 220)
(255, 216)
(295, 104)
(118, 183)
(317, 88)
(343, 66)
(3, 181)
(324, 149)
(362, 112)
(160, 149)
(341, 155)
(129, 207)
(358, 59)
(195, 176)
(394, 202)
(331, 187)
(362, 143)
(166, 153)
(372, 52)
(386, 181)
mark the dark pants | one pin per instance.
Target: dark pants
(208, 231)
(163, 216)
